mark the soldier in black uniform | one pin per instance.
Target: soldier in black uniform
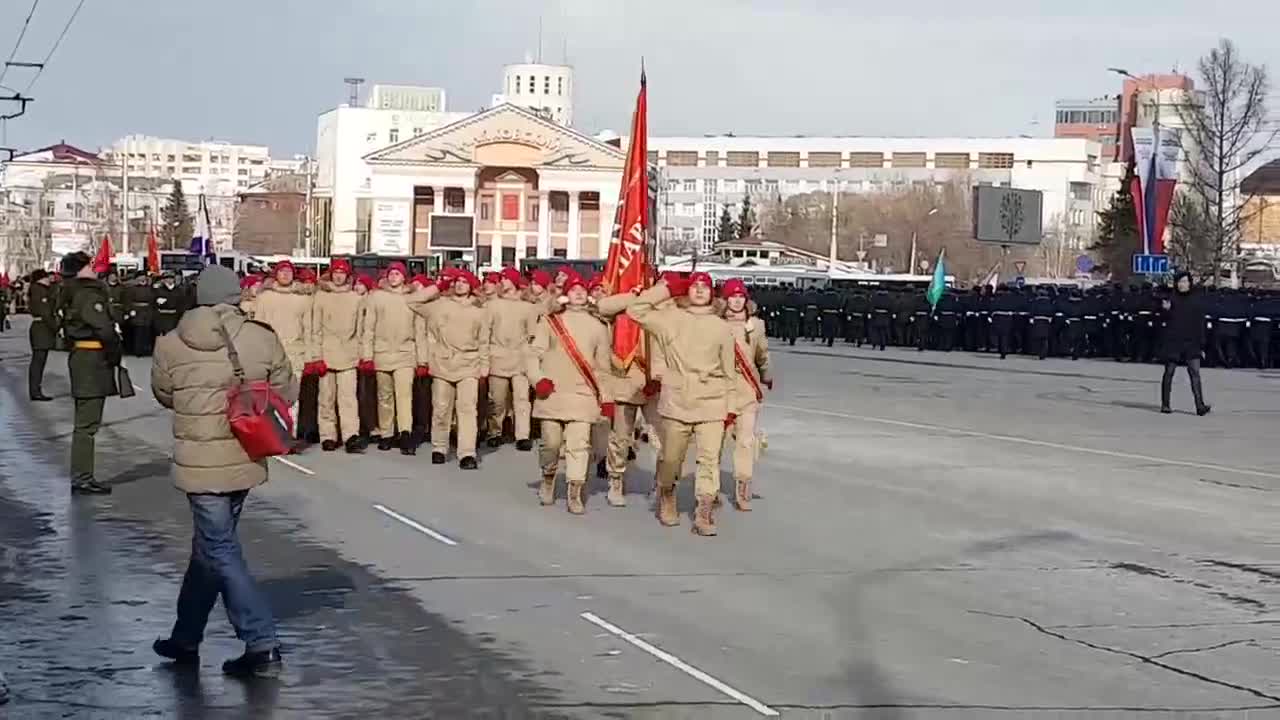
(115, 298)
(1094, 324)
(791, 309)
(881, 318)
(43, 333)
(1228, 326)
(1145, 315)
(921, 316)
(948, 317)
(811, 312)
(1041, 321)
(830, 305)
(856, 307)
(1261, 325)
(168, 302)
(93, 356)
(137, 301)
(1002, 309)
(1071, 306)
(4, 303)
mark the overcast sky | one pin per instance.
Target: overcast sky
(259, 71)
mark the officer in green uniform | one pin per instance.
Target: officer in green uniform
(43, 333)
(92, 359)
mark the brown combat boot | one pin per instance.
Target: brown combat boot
(667, 514)
(742, 495)
(704, 522)
(547, 490)
(616, 496)
(576, 506)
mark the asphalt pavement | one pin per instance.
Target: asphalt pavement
(939, 536)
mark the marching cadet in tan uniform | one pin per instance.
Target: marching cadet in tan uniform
(249, 288)
(569, 345)
(539, 294)
(512, 323)
(491, 287)
(337, 334)
(696, 384)
(751, 361)
(459, 335)
(395, 346)
(285, 305)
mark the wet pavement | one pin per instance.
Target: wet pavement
(941, 537)
(87, 584)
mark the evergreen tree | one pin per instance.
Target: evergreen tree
(1117, 238)
(728, 228)
(176, 227)
(746, 218)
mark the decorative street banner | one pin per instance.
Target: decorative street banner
(1155, 178)
(390, 234)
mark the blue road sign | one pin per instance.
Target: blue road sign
(1150, 264)
(1020, 281)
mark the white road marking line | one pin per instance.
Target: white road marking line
(1037, 443)
(135, 387)
(294, 465)
(415, 525)
(681, 665)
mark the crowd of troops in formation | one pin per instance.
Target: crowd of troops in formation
(1126, 323)
(459, 362)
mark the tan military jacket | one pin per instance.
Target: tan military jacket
(573, 399)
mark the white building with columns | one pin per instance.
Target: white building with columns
(493, 188)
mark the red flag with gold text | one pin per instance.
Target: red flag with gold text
(153, 253)
(626, 268)
(102, 262)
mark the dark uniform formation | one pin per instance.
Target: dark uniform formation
(1127, 324)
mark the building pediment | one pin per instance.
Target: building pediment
(506, 135)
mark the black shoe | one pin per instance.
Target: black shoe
(1166, 410)
(407, 447)
(468, 463)
(171, 650)
(524, 445)
(602, 469)
(329, 445)
(355, 445)
(312, 437)
(41, 397)
(437, 458)
(1203, 410)
(386, 444)
(266, 665)
(90, 487)
(494, 442)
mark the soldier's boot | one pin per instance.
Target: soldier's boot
(742, 495)
(407, 445)
(89, 487)
(667, 514)
(704, 522)
(602, 469)
(616, 497)
(356, 445)
(575, 504)
(547, 490)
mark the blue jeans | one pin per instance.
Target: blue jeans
(216, 567)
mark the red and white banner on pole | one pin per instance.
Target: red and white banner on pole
(1155, 178)
(626, 268)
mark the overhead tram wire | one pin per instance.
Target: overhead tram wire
(45, 63)
(17, 44)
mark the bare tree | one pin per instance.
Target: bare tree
(1191, 235)
(1226, 135)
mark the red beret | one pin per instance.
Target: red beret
(542, 279)
(397, 266)
(340, 265)
(512, 274)
(700, 277)
(467, 276)
(282, 265)
(733, 287)
(572, 278)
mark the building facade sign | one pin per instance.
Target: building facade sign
(390, 235)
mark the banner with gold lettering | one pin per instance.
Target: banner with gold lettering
(626, 268)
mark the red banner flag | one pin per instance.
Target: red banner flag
(102, 262)
(627, 265)
(153, 253)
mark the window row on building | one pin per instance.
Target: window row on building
(833, 159)
(517, 85)
(1087, 117)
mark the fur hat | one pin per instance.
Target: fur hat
(73, 263)
(217, 285)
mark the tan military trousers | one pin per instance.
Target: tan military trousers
(338, 405)
(741, 436)
(622, 438)
(509, 395)
(395, 402)
(707, 437)
(574, 439)
(450, 399)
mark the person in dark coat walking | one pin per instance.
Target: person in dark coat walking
(1183, 341)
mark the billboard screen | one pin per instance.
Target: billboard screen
(1007, 216)
(453, 232)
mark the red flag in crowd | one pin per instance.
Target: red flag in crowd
(626, 267)
(102, 263)
(153, 253)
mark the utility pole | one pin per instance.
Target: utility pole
(308, 232)
(124, 204)
(835, 222)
